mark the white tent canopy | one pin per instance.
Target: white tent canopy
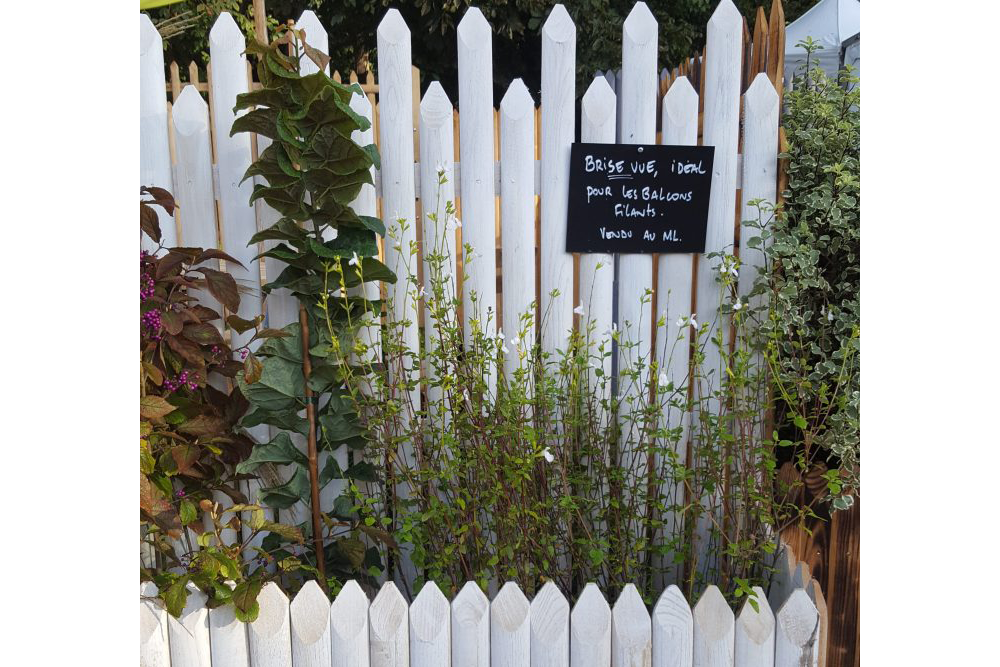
(832, 24)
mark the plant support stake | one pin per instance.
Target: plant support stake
(317, 524)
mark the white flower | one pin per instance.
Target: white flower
(737, 305)
(458, 223)
(579, 310)
(441, 169)
(500, 334)
(829, 316)
(354, 260)
(693, 323)
(547, 455)
(422, 293)
(663, 380)
(503, 346)
(681, 321)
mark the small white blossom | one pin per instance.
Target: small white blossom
(829, 316)
(681, 321)
(737, 305)
(441, 169)
(500, 334)
(547, 455)
(422, 293)
(663, 380)
(354, 260)
(579, 310)
(693, 323)
(458, 223)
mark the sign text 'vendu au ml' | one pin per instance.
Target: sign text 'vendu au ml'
(627, 198)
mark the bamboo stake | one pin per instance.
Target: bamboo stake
(317, 525)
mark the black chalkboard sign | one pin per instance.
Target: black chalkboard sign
(626, 198)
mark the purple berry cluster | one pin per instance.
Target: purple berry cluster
(243, 353)
(180, 493)
(147, 286)
(152, 322)
(179, 382)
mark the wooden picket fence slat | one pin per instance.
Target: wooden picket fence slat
(471, 631)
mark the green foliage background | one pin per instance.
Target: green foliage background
(517, 26)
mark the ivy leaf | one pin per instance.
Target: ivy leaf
(285, 495)
(330, 472)
(363, 471)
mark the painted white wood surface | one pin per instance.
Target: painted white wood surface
(510, 628)
(721, 129)
(679, 117)
(398, 204)
(755, 633)
(590, 628)
(635, 272)
(597, 270)
(714, 630)
(430, 628)
(631, 633)
(269, 635)
(475, 99)
(673, 630)
(154, 649)
(760, 171)
(316, 37)
(193, 185)
(190, 645)
(309, 614)
(797, 632)
(437, 151)
(470, 627)
(228, 638)
(389, 627)
(549, 628)
(233, 158)
(517, 216)
(349, 626)
(781, 581)
(154, 141)
(558, 131)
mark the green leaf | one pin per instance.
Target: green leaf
(280, 450)
(188, 512)
(363, 471)
(261, 121)
(285, 495)
(175, 597)
(245, 600)
(330, 471)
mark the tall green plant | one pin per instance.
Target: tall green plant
(310, 174)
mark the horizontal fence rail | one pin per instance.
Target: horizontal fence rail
(470, 630)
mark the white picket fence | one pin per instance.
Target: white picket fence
(187, 149)
(471, 631)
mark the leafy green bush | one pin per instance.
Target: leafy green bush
(816, 283)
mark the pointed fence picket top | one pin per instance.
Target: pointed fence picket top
(389, 626)
(475, 98)
(309, 614)
(816, 595)
(721, 130)
(396, 152)
(437, 152)
(316, 37)
(193, 185)
(635, 272)
(549, 628)
(154, 650)
(190, 644)
(631, 635)
(673, 630)
(349, 626)
(470, 627)
(714, 630)
(597, 270)
(558, 130)
(269, 635)
(154, 140)
(673, 292)
(755, 633)
(760, 172)
(590, 628)
(430, 628)
(510, 628)
(796, 640)
(517, 216)
(781, 581)
(228, 637)
(233, 158)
